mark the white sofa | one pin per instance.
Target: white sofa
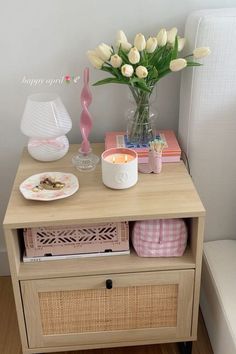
(207, 133)
(218, 294)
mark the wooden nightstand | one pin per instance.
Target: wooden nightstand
(65, 305)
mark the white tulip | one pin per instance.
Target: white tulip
(121, 37)
(178, 64)
(171, 34)
(134, 55)
(122, 41)
(140, 42)
(181, 44)
(201, 52)
(125, 46)
(141, 72)
(161, 37)
(103, 51)
(94, 59)
(127, 70)
(151, 44)
(116, 61)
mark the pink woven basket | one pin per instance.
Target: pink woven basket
(160, 238)
(102, 237)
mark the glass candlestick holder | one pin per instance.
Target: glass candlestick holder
(85, 161)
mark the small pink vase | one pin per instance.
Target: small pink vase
(155, 161)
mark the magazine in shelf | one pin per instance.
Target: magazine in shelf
(73, 256)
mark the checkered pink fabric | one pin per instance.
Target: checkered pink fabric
(160, 238)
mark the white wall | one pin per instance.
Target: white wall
(49, 38)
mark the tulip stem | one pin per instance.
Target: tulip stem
(140, 125)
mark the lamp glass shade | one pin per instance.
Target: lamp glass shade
(45, 117)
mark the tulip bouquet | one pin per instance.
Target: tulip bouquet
(140, 66)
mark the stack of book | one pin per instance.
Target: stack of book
(171, 151)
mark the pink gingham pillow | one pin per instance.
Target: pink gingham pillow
(160, 238)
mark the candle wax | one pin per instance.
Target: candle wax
(119, 158)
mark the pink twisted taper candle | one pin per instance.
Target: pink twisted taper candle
(85, 118)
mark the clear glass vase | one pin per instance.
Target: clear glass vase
(141, 119)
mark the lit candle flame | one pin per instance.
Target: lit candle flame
(113, 159)
(126, 158)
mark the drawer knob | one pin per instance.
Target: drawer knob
(109, 284)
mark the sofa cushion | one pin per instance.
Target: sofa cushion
(218, 294)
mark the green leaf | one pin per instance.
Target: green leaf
(141, 84)
(174, 53)
(108, 70)
(134, 79)
(110, 80)
(135, 82)
(117, 73)
(152, 73)
(157, 55)
(163, 73)
(143, 58)
(165, 61)
(193, 63)
(123, 55)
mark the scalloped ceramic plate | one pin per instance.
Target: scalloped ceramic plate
(70, 180)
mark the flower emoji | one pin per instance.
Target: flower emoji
(67, 78)
(76, 79)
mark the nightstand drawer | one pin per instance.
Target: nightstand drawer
(110, 308)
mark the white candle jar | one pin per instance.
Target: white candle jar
(119, 168)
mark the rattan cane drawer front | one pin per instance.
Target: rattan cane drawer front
(78, 309)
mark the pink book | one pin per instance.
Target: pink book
(171, 152)
(164, 159)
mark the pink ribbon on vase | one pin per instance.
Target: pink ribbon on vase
(53, 142)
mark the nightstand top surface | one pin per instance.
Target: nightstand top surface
(169, 194)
